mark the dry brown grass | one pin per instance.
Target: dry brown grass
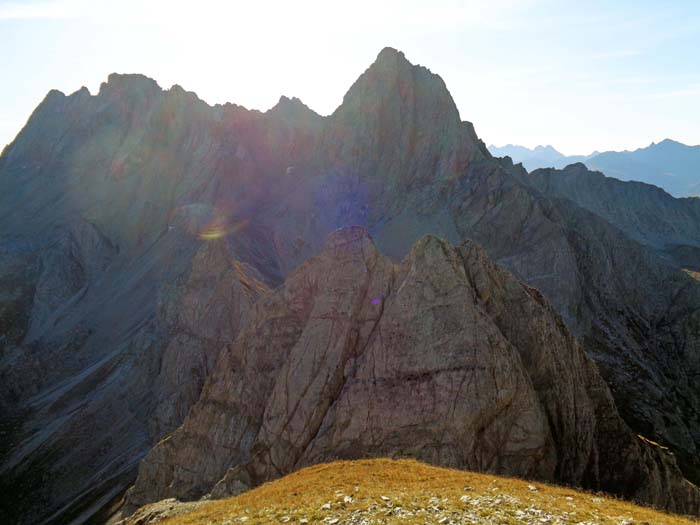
(400, 491)
(693, 274)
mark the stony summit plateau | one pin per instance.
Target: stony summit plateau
(196, 300)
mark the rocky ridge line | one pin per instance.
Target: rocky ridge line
(446, 358)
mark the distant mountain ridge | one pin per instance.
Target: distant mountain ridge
(538, 157)
(669, 164)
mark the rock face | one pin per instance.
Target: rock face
(122, 279)
(140, 388)
(644, 212)
(138, 226)
(637, 316)
(445, 357)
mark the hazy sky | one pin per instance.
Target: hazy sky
(577, 75)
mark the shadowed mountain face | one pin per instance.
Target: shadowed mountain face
(643, 212)
(139, 227)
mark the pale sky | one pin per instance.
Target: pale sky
(604, 75)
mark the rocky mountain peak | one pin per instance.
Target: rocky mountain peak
(575, 168)
(394, 83)
(390, 60)
(548, 149)
(669, 145)
(294, 110)
(350, 241)
(394, 124)
(292, 103)
(130, 84)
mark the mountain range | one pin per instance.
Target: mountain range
(670, 165)
(196, 299)
(538, 157)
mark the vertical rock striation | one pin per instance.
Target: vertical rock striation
(445, 357)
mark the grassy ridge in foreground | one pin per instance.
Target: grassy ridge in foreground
(409, 492)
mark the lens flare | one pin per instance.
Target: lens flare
(219, 230)
(206, 222)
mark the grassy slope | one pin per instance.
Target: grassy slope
(408, 492)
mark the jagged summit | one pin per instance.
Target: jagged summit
(58, 94)
(390, 53)
(575, 167)
(129, 82)
(293, 109)
(390, 58)
(401, 117)
(392, 76)
(82, 92)
(667, 141)
(285, 102)
(548, 148)
(668, 144)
